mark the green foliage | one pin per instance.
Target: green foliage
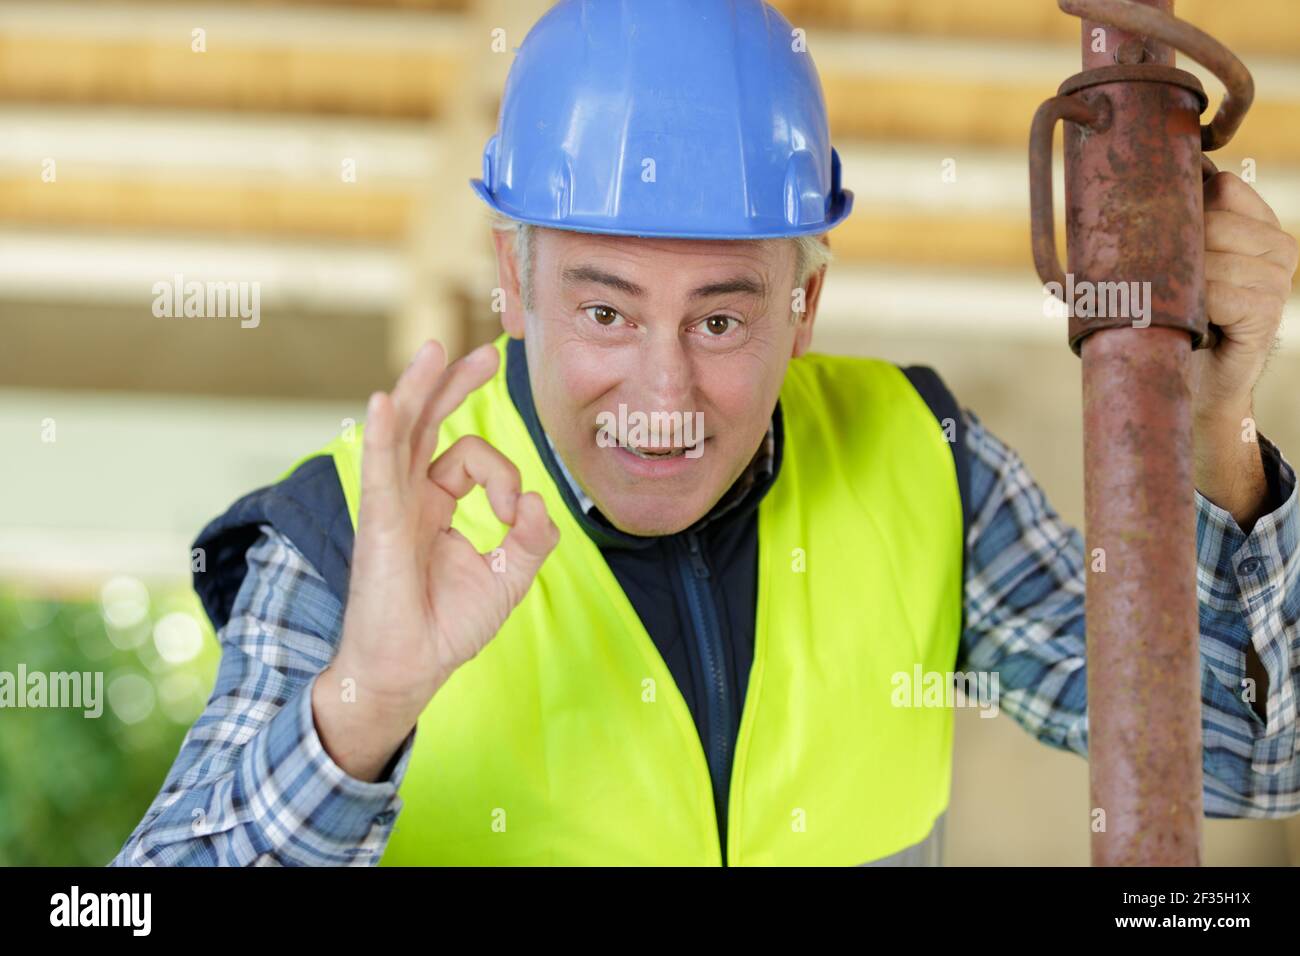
(73, 787)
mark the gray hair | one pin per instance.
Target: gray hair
(812, 254)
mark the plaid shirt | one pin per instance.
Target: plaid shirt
(252, 785)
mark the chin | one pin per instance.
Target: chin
(651, 521)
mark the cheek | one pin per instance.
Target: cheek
(736, 398)
(747, 383)
(576, 380)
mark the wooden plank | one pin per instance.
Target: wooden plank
(64, 69)
(1259, 26)
(956, 236)
(883, 105)
(984, 112)
(313, 211)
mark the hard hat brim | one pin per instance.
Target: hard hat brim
(840, 209)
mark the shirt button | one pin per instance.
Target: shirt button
(386, 817)
(1249, 566)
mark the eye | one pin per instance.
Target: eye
(603, 315)
(719, 325)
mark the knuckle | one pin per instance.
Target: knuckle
(1231, 181)
(490, 451)
(470, 443)
(466, 448)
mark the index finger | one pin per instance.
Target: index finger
(452, 387)
(1235, 232)
(1229, 192)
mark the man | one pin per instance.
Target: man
(647, 644)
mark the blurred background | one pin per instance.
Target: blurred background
(323, 149)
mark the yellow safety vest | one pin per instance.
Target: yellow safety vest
(566, 741)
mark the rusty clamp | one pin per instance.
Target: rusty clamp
(1085, 100)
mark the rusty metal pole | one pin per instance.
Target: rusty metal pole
(1133, 174)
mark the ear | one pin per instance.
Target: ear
(812, 291)
(512, 318)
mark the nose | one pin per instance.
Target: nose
(667, 376)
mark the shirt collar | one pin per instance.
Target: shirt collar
(584, 500)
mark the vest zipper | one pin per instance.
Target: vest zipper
(708, 641)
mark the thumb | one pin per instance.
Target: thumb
(528, 543)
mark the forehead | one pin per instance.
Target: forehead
(685, 258)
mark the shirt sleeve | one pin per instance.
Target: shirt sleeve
(1024, 599)
(252, 784)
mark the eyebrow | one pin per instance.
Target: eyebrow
(741, 284)
(590, 274)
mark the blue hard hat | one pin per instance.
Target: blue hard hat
(699, 119)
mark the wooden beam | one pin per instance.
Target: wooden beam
(879, 104)
(1262, 26)
(1258, 26)
(955, 235)
(312, 211)
(146, 73)
(991, 112)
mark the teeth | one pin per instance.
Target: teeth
(642, 453)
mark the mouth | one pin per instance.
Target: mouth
(659, 454)
(659, 461)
